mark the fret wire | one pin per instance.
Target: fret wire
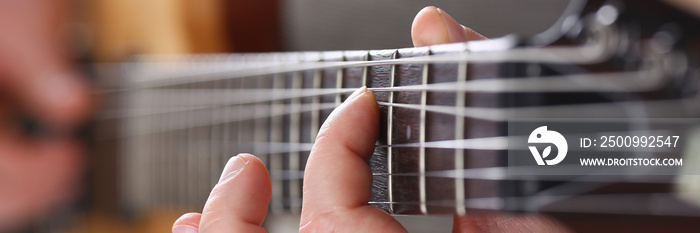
(142, 165)
(197, 186)
(460, 195)
(134, 147)
(123, 145)
(204, 173)
(180, 189)
(202, 178)
(390, 113)
(261, 134)
(194, 162)
(188, 190)
(214, 151)
(129, 190)
(189, 164)
(151, 192)
(239, 108)
(339, 82)
(228, 127)
(277, 200)
(178, 196)
(240, 135)
(421, 153)
(294, 139)
(165, 168)
(365, 69)
(316, 110)
(175, 148)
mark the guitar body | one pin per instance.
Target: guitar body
(171, 123)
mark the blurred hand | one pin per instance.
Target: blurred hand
(37, 81)
(337, 179)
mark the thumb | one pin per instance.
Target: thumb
(434, 26)
(238, 203)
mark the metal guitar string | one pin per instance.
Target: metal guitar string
(145, 74)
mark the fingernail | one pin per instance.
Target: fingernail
(454, 29)
(357, 93)
(233, 166)
(185, 229)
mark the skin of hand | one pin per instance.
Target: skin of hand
(337, 179)
(37, 80)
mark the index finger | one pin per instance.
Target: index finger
(337, 180)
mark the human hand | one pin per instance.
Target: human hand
(37, 80)
(337, 178)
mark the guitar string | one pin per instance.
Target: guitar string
(144, 110)
(481, 143)
(141, 80)
(486, 173)
(174, 73)
(502, 174)
(606, 82)
(658, 204)
(609, 110)
(649, 108)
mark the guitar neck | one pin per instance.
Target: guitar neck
(186, 126)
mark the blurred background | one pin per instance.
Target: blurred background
(120, 28)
